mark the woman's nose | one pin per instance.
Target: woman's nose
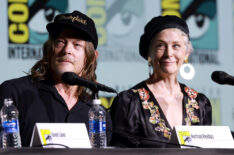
(168, 51)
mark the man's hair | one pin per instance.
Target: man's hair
(42, 68)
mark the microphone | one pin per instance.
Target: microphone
(221, 77)
(71, 78)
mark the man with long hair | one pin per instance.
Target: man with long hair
(42, 96)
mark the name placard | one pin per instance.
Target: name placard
(60, 135)
(203, 136)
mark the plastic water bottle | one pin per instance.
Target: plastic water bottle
(97, 125)
(10, 125)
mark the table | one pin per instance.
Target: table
(117, 151)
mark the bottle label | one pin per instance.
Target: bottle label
(10, 126)
(97, 126)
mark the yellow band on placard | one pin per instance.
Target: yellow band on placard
(44, 132)
(183, 134)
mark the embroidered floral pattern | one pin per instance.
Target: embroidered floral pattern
(144, 94)
(190, 106)
(154, 111)
(155, 117)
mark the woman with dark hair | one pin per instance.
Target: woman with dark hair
(42, 96)
(144, 116)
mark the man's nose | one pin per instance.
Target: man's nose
(68, 47)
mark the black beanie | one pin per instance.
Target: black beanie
(157, 24)
(77, 20)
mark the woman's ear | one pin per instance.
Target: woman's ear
(187, 55)
(149, 60)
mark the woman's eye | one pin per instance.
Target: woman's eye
(176, 45)
(160, 46)
(44, 16)
(125, 20)
(200, 24)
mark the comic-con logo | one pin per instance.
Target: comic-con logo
(27, 20)
(201, 17)
(185, 138)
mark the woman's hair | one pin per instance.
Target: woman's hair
(189, 47)
(42, 68)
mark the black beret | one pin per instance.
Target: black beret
(157, 24)
(79, 21)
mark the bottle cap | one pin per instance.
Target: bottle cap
(96, 101)
(8, 101)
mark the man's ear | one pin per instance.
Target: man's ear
(96, 54)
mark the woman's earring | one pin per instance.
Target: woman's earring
(187, 71)
(150, 66)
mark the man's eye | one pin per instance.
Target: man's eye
(59, 42)
(76, 44)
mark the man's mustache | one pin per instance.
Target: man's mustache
(66, 59)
